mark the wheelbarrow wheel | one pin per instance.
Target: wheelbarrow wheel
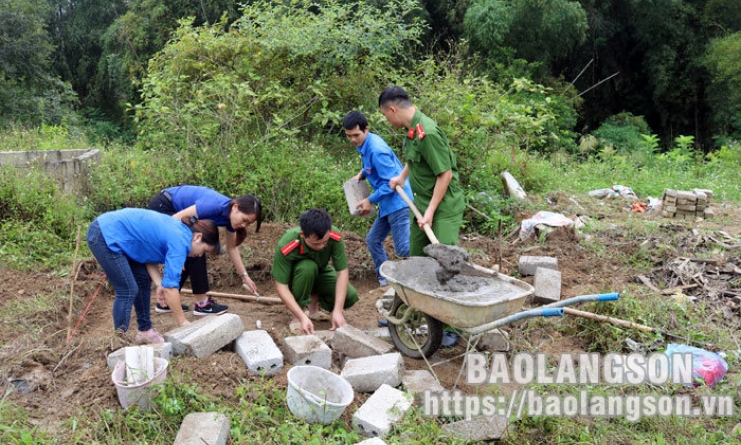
(420, 330)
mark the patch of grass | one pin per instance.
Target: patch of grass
(15, 427)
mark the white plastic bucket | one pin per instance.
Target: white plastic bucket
(142, 393)
(317, 395)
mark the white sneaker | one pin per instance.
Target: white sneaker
(150, 336)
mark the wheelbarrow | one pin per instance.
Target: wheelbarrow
(482, 300)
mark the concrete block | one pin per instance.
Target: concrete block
(494, 340)
(367, 374)
(259, 352)
(372, 441)
(529, 264)
(547, 286)
(354, 343)
(201, 428)
(354, 193)
(513, 187)
(307, 350)
(382, 333)
(417, 381)
(161, 350)
(390, 293)
(205, 336)
(325, 336)
(478, 428)
(384, 408)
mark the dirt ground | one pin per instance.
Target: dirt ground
(55, 379)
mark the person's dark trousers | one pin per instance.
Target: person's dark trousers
(129, 279)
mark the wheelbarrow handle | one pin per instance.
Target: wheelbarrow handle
(552, 312)
(410, 203)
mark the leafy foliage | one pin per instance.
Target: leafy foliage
(537, 30)
(280, 70)
(29, 92)
(136, 35)
(725, 91)
(623, 132)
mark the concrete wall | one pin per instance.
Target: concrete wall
(68, 167)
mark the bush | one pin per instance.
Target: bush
(622, 132)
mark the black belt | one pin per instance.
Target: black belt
(167, 195)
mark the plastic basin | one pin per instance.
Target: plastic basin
(317, 395)
(142, 393)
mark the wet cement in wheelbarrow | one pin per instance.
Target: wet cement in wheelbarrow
(450, 260)
(422, 275)
(460, 287)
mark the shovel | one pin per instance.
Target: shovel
(452, 259)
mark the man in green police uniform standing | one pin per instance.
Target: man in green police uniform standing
(304, 278)
(431, 168)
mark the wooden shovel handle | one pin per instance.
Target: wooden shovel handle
(410, 203)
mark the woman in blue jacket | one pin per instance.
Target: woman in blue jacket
(129, 244)
(186, 201)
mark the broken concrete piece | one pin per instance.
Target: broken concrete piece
(356, 191)
(205, 336)
(494, 340)
(478, 428)
(354, 343)
(528, 265)
(201, 428)
(512, 186)
(547, 286)
(378, 414)
(417, 381)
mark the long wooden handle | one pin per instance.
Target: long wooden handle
(617, 321)
(410, 203)
(239, 297)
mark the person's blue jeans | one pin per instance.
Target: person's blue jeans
(129, 279)
(398, 224)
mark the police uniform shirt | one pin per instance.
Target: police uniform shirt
(291, 248)
(428, 154)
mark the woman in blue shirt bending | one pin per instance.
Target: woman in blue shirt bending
(234, 215)
(130, 243)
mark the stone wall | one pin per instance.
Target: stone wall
(68, 167)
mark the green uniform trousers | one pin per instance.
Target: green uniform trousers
(308, 280)
(445, 229)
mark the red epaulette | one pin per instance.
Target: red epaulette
(420, 132)
(288, 248)
(335, 235)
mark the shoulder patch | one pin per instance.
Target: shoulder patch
(420, 132)
(335, 235)
(288, 248)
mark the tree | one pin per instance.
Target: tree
(280, 70)
(76, 28)
(28, 91)
(138, 34)
(724, 92)
(542, 31)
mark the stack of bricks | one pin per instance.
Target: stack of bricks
(687, 205)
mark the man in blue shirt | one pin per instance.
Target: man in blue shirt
(380, 164)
